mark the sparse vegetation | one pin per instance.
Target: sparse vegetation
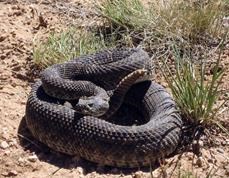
(190, 174)
(67, 45)
(179, 19)
(195, 94)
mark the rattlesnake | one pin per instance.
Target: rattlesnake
(97, 138)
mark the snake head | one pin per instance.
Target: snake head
(93, 106)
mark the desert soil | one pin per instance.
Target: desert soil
(22, 156)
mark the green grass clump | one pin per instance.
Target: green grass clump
(67, 45)
(179, 19)
(195, 92)
(130, 14)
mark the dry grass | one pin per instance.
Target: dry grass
(67, 45)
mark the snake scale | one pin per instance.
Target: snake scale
(96, 138)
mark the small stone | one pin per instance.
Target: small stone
(211, 160)
(201, 143)
(138, 175)
(79, 170)
(227, 141)
(5, 130)
(4, 174)
(3, 56)
(13, 142)
(33, 158)
(220, 150)
(21, 160)
(2, 38)
(4, 145)
(199, 161)
(224, 143)
(12, 173)
(189, 155)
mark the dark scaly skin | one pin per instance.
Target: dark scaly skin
(62, 129)
(80, 77)
(89, 78)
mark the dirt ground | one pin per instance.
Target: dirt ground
(20, 155)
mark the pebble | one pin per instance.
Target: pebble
(199, 161)
(33, 158)
(13, 173)
(227, 141)
(138, 175)
(21, 160)
(224, 143)
(79, 170)
(189, 155)
(2, 38)
(13, 142)
(220, 150)
(211, 160)
(4, 145)
(10, 174)
(5, 136)
(201, 143)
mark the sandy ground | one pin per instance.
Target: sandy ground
(20, 155)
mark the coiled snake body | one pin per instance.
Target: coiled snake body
(91, 137)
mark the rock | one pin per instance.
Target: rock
(12, 173)
(21, 160)
(13, 142)
(4, 174)
(201, 143)
(227, 141)
(199, 161)
(79, 170)
(2, 38)
(33, 158)
(223, 143)
(4, 145)
(138, 175)
(5, 136)
(189, 155)
(211, 160)
(220, 150)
